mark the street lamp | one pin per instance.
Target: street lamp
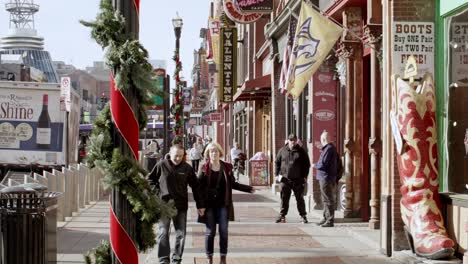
(178, 107)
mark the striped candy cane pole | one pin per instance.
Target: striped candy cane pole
(126, 123)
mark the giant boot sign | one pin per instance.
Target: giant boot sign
(415, 132)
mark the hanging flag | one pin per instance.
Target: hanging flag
(213, 42)
(209, 46)
(314, 38)
(287, 53)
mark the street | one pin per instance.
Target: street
(254, 238)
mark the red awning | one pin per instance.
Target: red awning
(256, 89)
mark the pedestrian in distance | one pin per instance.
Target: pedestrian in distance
(171, 177)
(327, 175)
(208, 140)
(235, 151)
(196, 155)
(216, 185)
(291, 170)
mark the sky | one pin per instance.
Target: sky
(67, 40)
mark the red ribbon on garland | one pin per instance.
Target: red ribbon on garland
(124, 118)
(121, 243)
(127, 124)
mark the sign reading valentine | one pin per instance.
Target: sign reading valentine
(228, 66)
(235, 14)
(324, 109)
(259, 6)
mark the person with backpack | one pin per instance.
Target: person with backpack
(327, 175)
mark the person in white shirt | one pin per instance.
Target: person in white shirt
(196, 155)
(235, 152)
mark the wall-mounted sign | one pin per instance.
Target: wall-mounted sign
(258, 6)
(413, 38)
(238, 16)
(215, 117)
(65, 94)
(228, 64)
(324, 110)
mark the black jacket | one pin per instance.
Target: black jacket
(327, 164)
(293, 164)
(171, 182)
(229, 181)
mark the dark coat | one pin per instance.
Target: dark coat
(327, 165)
(229, 180)
(172, 181)
(293, 164)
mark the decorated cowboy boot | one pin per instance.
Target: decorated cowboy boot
(417, 163)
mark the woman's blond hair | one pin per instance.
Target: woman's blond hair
(213, 145)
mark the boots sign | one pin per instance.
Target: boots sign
(413, 38)
(228, 64)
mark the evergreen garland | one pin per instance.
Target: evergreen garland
(101, 254)
(129, 62)
(178, 107)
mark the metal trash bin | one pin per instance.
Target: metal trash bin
(28, 224)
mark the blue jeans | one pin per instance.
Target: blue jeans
(216, 216)
(164, 248)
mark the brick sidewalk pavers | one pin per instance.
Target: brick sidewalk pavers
(254, 238)
(266, 260)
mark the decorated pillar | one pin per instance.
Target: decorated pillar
(373, 34)
(354, 165)
(123, 105)
(347, 52)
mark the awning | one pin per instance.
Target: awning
(256, 89)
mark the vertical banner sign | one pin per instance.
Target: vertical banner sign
(214, 38)
(324, 109)
(459, 58)
(228, 64)
(413, 38)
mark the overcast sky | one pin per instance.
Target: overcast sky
(67, 40)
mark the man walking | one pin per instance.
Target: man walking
(171, 177)
(291, 169)
(327, 176)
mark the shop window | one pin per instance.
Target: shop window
(457, 92)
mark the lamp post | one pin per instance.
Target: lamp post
(177, 108)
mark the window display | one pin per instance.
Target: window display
(457, 93)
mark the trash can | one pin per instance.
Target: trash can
(28, 214)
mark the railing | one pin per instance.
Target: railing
(79, 185)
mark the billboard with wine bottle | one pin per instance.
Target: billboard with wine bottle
(31, 125)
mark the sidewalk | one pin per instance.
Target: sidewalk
(254, 238)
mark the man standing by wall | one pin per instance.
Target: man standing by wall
(327, 176)
(291, 169)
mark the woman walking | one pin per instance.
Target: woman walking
(216, 185)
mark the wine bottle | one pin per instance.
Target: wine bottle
(43, 132)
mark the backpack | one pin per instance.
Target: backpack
(339, 168)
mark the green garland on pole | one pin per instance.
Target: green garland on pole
(178, 107)
(129, 62)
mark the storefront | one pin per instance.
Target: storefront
(452, 107)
